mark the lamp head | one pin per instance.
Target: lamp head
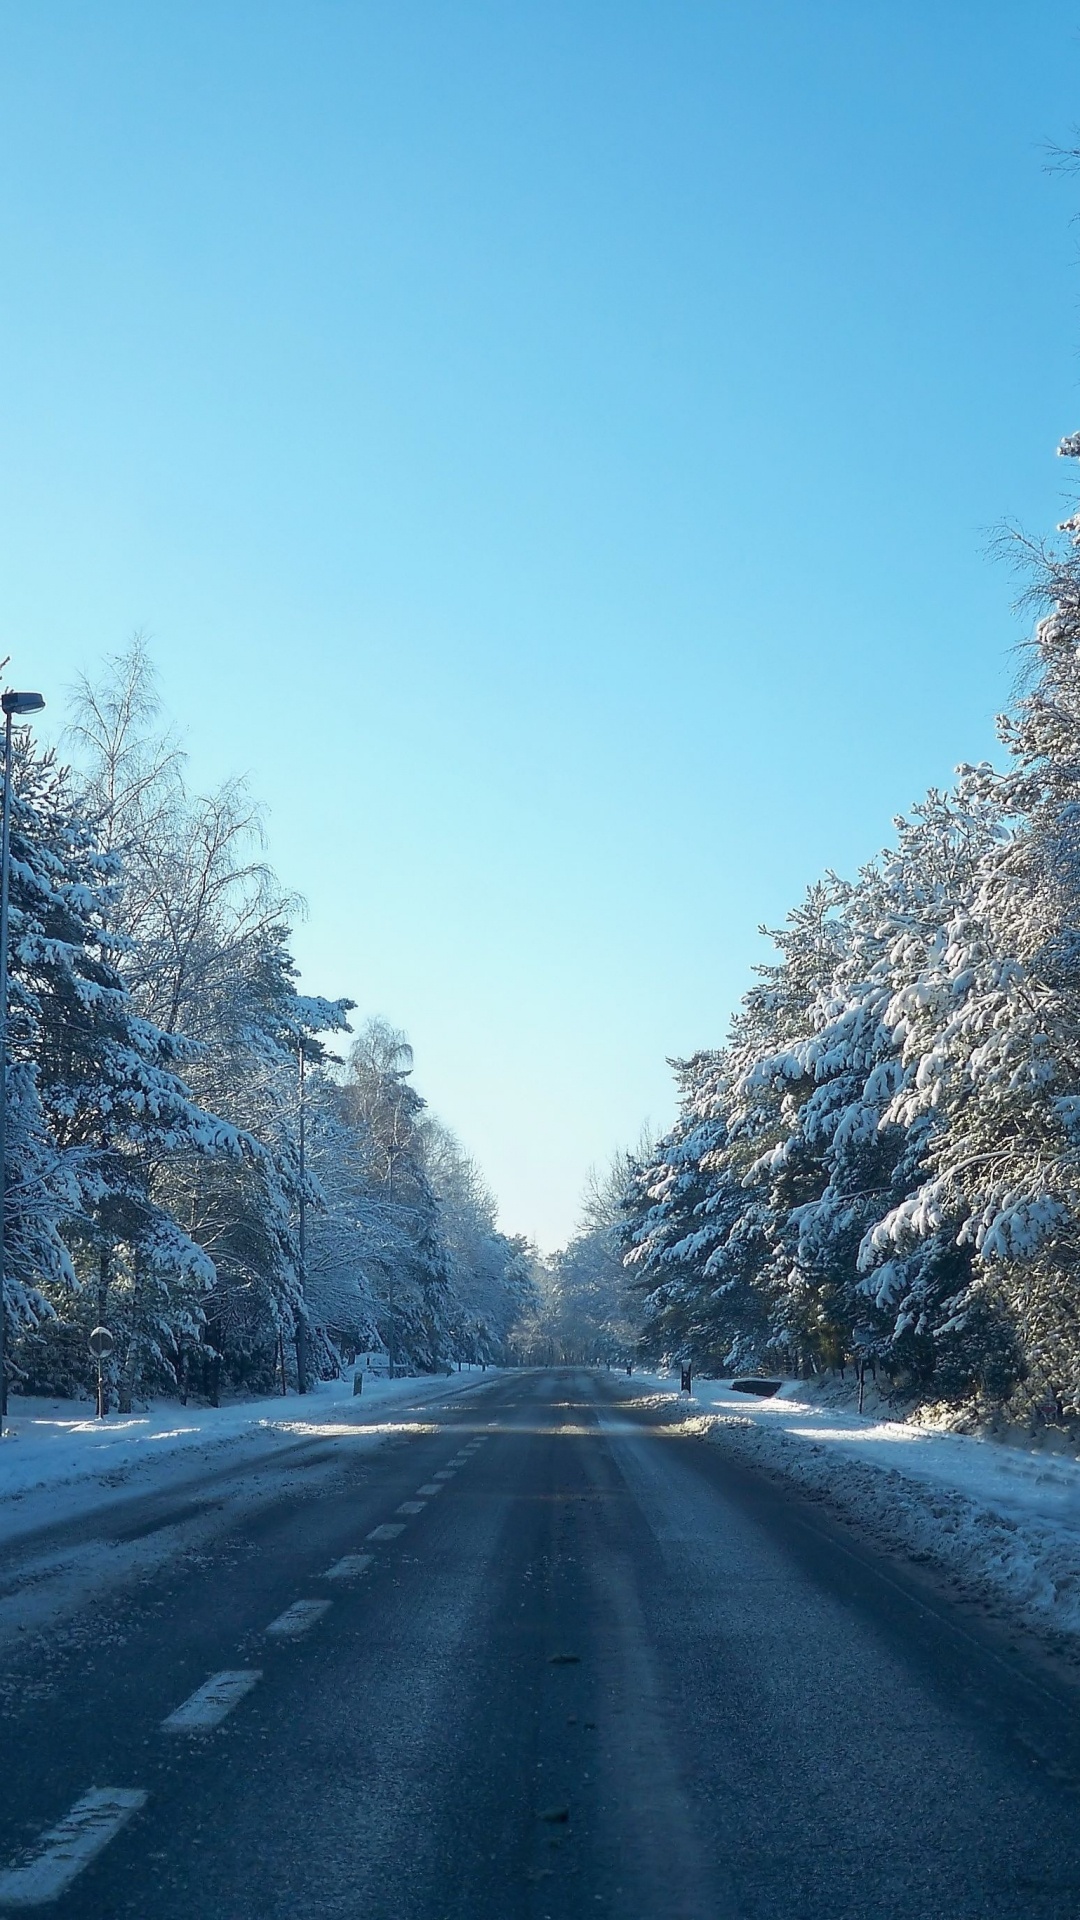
(21, 702)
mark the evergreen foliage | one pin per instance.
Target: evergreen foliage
(156, 1040)
(883, 1162)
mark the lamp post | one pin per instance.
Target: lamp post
(301, 1318)
(12, 704)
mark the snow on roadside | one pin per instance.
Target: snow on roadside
(57, 1460)
(1002, 1520)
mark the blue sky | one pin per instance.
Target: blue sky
(553, 449)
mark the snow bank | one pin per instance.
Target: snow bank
(1002, 1520)
(66, 1461)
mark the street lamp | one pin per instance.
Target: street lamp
(301, 1318)
(12, 704)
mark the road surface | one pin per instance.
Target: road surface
(540, 1659)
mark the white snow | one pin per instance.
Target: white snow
(58, 1461)
(1003, 1520)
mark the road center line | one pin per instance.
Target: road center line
(388, 1531)
(412, 1506)
(210, 1703)
(348, 1568)
(429, 1489)
(70, 1846)
(297, 1619)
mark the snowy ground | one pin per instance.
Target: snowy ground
(58, 1461)
(1003, 1521)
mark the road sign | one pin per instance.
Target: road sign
(101, 1344)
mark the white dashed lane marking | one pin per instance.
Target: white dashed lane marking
(100, 1815)
(70, 1846)
(297, 1619)
(347, 1569)
(210, 1703)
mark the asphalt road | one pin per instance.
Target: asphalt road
(590, 1668)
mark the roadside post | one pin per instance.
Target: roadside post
(101, 1344)
(687, 1383)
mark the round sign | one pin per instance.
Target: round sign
(101, 1343)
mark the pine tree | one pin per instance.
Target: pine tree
(98, 1104)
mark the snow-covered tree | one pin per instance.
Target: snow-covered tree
(490, 1277)
(166, 1072)
(993, 1032)
(408, 1269)
(98, 1102)
(756, 1229)
(590, 1312)
(201, 930)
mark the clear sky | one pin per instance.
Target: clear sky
(552, 446)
